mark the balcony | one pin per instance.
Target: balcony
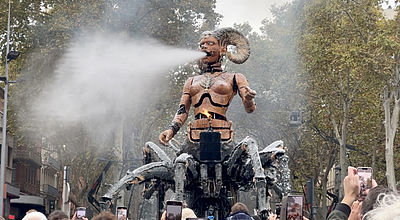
(50, 190)
(10, 175)
(27, 178)
(29, 188)
(27, 155)
(52, 163)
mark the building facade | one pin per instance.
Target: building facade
(11, 189)
(27, 162)
(37, 173)
(49, 177)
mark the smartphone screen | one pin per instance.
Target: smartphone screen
(278, 210)
(80, 212)
(174, 210)
(121, 213)
(294, 208)
(365, 174)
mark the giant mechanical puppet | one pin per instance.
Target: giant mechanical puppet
(210, 168)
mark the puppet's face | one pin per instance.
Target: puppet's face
(211, 47)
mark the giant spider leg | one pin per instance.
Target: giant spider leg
(283, 166)
(261, 184)
(250, 147)
(182, 163)
(157, 170)
(152, 152)
(274, 160)
(233, 157)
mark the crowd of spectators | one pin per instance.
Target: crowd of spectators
(379, 203)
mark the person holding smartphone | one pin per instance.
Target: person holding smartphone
(351, 184)
(80, 214)
(187, 213)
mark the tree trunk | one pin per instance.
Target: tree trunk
(118, 136)
(343, 169)
(373, 162)
(323, 210)
(342, 138)
(391, 123)
(324, 181)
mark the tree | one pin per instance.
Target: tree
(342, 54)
(48, 32)
(271, 71)
(391, 98)
(391, 124)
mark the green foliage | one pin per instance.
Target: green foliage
(44, 30)
(347, 49)
(271, 72)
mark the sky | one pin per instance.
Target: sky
(253, 11)
(240, 11)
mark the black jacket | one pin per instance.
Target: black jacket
(341, 212)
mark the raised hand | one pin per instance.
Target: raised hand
(351, 184)
(355, 213)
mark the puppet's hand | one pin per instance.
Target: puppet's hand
(249, 94)
(165, 136)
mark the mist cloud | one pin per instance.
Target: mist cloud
(103, 74)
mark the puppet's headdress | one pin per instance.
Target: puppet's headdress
(231, 37)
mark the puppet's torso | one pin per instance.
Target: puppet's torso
(212, 92)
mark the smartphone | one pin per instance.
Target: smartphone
(121, 213)
(174, 210)
(80, 212)
(292, 207)
(365, 174)
(278, 210)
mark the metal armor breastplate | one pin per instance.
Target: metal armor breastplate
(213, 93)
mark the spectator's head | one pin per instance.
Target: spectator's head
(373, 195)
(34, 216)
(2, 218)
(239, 207)
(30, 210)
(387, 207)
(58, 215)
(188, 213)
(105, 216)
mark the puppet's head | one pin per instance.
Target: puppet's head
(220, 42)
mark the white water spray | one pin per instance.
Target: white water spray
(106, 74)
